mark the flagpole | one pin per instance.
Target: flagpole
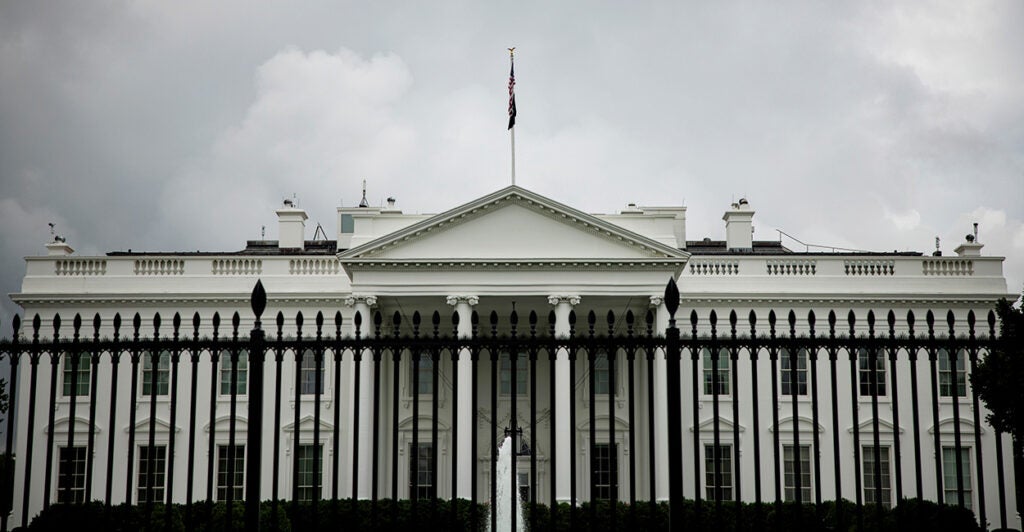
(512, 109)
(512, 134)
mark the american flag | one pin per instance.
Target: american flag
(512, 96)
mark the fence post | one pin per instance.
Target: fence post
(254, 431)
(673, 355)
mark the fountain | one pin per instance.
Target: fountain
(507, 502)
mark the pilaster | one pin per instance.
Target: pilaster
(463, 396)
(363, 305)
(563, 387)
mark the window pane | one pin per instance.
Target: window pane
(238, 479)
(605, 471)
(789, 473)
(787, 373)
(159, 454)
(870, 484)
(71, 474)
(425, 376)
(602, 378)
(82, 384)
(724, 458)
(163, 373)
(505, 374)
(865, 373)
(308, 378)
(421, 477)
(307, 473)
(949, 482)
(225, 372)
(946, 374)
(723, 373)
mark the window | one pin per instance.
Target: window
(505, 374)
(871, 481)
(722, 384)
(949, 483)
(163, 373)
(946, 384)
(602, 376)
(864, 372)
(524, 486)
(159, 454)
(348, 223)
(71, 474)
(304, 478)
(82, 385)
(421, 477)
(225, 372)
(724, 459)
(309, 375)
(789, 473)
(224, 457)
(788, 387)
(425, 375)
(605, 476)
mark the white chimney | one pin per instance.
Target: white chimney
(292, 226)
(739, 226)
(970, 246)
(58, 248)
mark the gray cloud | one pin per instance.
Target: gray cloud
(180, 127)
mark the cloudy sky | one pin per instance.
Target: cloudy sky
(169, 126)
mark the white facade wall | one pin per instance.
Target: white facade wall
(448, 269)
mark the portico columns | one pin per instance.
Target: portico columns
(463, 398)
(563, 453)
(363, 304)
(660, 413)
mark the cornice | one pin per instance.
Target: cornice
(385, 264)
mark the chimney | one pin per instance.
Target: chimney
(970, 246)
(739, 227)
(292, 226)
(58, 248)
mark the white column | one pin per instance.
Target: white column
(463, 397)
(563, 454)
(363, 305)
(660, 393)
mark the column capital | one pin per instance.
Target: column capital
(455, 300)
(656, 301)
(355, 299)
(564, 298)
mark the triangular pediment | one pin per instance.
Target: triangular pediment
(514, 225)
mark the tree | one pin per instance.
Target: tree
(1000, 374)
(998, 381)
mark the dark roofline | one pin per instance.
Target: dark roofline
(252, 247)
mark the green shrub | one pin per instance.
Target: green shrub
(385, 514)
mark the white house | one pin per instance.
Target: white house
(511, 248)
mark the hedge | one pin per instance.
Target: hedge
(910, 514)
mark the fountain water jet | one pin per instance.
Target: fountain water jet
(506, 502)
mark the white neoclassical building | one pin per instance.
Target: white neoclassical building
(510, 249)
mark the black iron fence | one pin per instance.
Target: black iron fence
(873, 352)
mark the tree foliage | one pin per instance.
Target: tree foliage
(999, 378)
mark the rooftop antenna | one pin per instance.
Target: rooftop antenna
(319, 231)
(938, 252)
(363, 202)
(52, 225)
(975, 231)
(263, 232)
